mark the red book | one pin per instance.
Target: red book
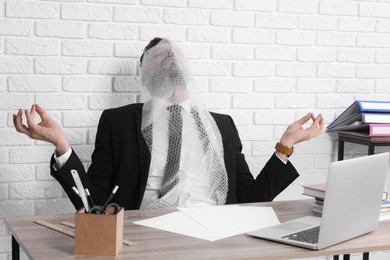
(315, 190)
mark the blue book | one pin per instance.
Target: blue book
(356, 109)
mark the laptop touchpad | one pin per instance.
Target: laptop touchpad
(293, 226)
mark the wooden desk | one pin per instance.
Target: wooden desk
(42, 243)
(360, 138)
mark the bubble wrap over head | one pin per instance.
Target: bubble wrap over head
(198, 176)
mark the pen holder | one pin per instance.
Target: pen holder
(98, 234)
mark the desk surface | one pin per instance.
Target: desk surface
(42, 243)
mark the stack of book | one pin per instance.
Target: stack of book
(317, 191)
(370, 117)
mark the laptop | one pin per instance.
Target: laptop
(351, 206)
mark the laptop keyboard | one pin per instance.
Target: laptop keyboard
(308, 235)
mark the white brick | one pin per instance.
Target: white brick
(276, 20)
(174, 3)
(273, 53)
(296, 37)
(129, 49)
(38, 47)
(81, 118)
(3, 155)
(382, 86)
(16, 101)
(276, 116)
(15, 27)
(3, 197)
(195, 50)
(43, 172)
(54, 206)
(240, 116)
(253, 69)
(174, 33)
(91, 136)
(339, 8)
(295, 101)
(3, 120)
(356, 24)
(253, 101)
(335, 39)
(127, 84)
(253, 36)
(129, 2)
(383, 25)
(296, 70)
(315, 86)
(230, 85)
(59, 66)
(298, 6)
(17, 173)
(23, 154)
(255, 5)
(87, 48)
(34, 83)
(217, 101)
(84, 152)
(16, 208)
(317, 23)
(379, 97)
(112, 31)
(18, 65)
(85, 12)
(60, 29)
(317, 54)
(231, 19)
(189, 17)
(2, 83)
(221, 4)
(34, 190)
(31, 10)
(232, 52)
(355, 56)
(336, 71)
(373, 40)
(87, 84)
(374, 10)
(61, 101)
(210, 68)
(75, 136)
(255, 133)
(208, 34)
(138, 14)
(112, 67)
(354, 86)
(104, 102)
(264, 148)
(373, 71)
(9, 136)
(334, 101)
(274, 85)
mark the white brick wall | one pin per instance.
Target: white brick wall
(264, 62)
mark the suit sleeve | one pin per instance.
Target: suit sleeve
(272, 179)
(99, 176)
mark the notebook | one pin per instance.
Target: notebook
(351, 207)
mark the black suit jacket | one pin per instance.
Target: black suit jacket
(121, 157)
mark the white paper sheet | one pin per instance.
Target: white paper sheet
(214, 222)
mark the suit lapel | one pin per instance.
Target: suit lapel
(144, 154)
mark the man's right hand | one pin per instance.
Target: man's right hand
(46, 130)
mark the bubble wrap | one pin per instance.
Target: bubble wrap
(197, 176)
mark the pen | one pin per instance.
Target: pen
(76, 190)
(110, 198)
(89, 197)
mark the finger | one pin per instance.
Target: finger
(20, 127)
(30, 119)
(41, 112)
(304, 119)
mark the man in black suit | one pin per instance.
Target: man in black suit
(123, 151)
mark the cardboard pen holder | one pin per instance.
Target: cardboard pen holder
(98, 234)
